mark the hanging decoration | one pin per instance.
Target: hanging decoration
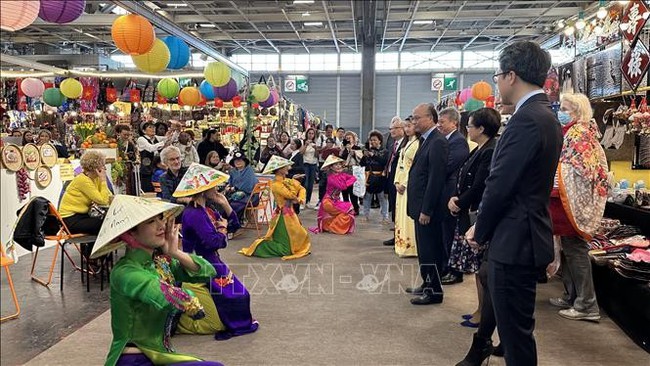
(32, 87)
(16, 15)
(236, 101)
(472, 104)
(90, 96)
(154, 61)
(179, 52)
(189, 96)
(260, 92)
(271, 100)
(489, 102)
(61, 11)
(111, 95)
(71, 88)
(635, 64)
(218, 103)
(481, 90)
(53, 97)
(228, 91)
(634, 17)
(133, 34)
(207, 90)
(168, 88)
(135, 96)
(465, 95)
(217, 73)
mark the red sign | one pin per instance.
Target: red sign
(135, 96)
(88, 93)
(634, 16)
(111, 95)
(635, 64)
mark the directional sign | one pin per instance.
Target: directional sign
(451, 83)
(437, 84)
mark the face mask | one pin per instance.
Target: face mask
(564, 117)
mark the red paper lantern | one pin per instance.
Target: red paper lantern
(219, 103)
(489, 102)
(111, 95)
(256, 105)
(135, 96)
(160, 99)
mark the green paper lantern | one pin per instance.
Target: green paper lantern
(260, 92)
(71, 88)
(53, 97)
(168, 88)
(472, 104)
(217, 73)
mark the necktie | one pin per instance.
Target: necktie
(392, 156)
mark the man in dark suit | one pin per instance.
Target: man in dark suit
(425, 203)
(513, 216)
(398, 141)
(448, 120)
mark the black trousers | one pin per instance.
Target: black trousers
(512, 288)
(431, 254)
(348, 196)
(392, 197)
(448, 224)
(84, 224)
(488, 320)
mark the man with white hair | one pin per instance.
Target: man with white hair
(396, 131)
(171, 157)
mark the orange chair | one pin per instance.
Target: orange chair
(5, 262)
(262, 190)
(63, 237)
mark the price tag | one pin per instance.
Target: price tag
(67, 173)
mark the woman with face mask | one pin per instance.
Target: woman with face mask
(577, 206)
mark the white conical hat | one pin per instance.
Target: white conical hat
(275, 163)
(331, 160)
(199, 178)
(125, 213)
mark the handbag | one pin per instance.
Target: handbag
(359, 187)
(96, 211)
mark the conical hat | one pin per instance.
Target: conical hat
(125, 213)
(275, 163)
(199, 178)
(331, 160)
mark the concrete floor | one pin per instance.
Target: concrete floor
(344, 304)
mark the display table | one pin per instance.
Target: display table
(626, 301)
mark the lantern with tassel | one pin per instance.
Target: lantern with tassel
(53, 97)
(217, 73)
(260, 92)
(71, 88)
(218, 103)
(190, 96)
(168, 88)
(155, 60)
(133, 34)
(481, 90)
(61, 11)
(15, 14)
(32, 87)
(179, 52)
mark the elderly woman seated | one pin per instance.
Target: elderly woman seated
(241, 183)
(86, 190)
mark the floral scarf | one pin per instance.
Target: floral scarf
(582, 178)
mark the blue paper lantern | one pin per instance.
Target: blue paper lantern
(207, 90)
(179, 52)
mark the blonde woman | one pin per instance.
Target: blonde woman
(404, 225)
(577, 205)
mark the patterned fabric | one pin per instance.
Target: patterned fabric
(199, 178)
(276, 163)
(463, 258)
(404, 226)
(582, 178)
(334, 215)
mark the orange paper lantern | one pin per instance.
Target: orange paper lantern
(190, 96)
(133, 34)
(481, 90)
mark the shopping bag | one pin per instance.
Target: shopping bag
(359, 188)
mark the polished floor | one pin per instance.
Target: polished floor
(344, 305)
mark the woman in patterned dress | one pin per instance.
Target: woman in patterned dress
(404, 225)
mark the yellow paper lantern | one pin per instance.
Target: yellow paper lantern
(217, 74)
(190, 96)
(260, 92)
(481, 90)
(133, 34)
(155, 60)
(71, 88)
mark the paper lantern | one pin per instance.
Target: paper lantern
(481, 90)
(53, 97)
(15, 15)
(179, 52)
(61, 11)
(155, 60)
(217, 73)
(71, 88)
(236, 101)
(218, 103)
(189, 96)
(32, 87)
(168, 88)
(472, 104)
(270, 102)
(228, 91)
(133, 34)
(489, 102)
(465, 94)
(260, 92)
(207, 90)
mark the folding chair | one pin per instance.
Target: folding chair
(263, 191)
(5, 262)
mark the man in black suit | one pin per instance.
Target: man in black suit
(513, 216)
(448, 120)
(425, 203)
(398, 141)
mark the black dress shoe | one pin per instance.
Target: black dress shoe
(451, 279)
(415, 290)
(427, 299)
(389, 242)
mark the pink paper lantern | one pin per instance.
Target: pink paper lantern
(18, 14)
(465, 94)
(32, 87)
(61, 11)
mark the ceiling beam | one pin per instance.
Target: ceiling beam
(488, 26)
(329, 21)
(408, 28)
(254, 26)
(354, 22)
(18, 61)
(383, 34)
(217, 25)
(294, 29)
(448, 25)
(172, 28)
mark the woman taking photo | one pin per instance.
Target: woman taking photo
(374, 160)
(310, 157)
(351, 152)
(285, 144)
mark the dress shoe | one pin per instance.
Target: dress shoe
(415, 290)
(451, 279)
(427, 299)
(389, 242)
(480, 350)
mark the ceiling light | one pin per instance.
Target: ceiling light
(624, 26)
(303, 1)
(306, 14)
(313, 24)
(623, 2)
(602, 11)
(423, 22)
(207, 25)
(580, 24)
(177, 5)
(569, 30)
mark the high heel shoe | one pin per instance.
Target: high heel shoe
(480, 350)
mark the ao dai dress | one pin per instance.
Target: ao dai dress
(335, 215)
(404, 225)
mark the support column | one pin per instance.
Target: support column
(368, 68)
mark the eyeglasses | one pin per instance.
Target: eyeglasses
(495, 77)
(470, 126)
